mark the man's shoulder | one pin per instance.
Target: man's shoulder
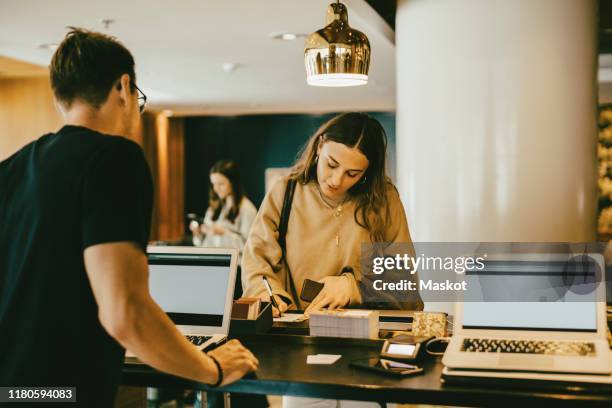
(25, 150)
(117, 150)
(18, 160)
(88, 137)
(122, 144)
(113, 157)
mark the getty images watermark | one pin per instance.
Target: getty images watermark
(482, 272)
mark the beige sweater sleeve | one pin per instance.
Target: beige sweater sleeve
(397, 226)
(262, 252)
(398, 232)
(397, 241)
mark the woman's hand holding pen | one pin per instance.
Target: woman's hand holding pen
(278, 305)
(279, 301)
(335, 294)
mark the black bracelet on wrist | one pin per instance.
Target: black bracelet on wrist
(219, 371)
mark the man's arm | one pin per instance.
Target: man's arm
(118, 275)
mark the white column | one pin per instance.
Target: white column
(496, 119)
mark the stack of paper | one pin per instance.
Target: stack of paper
(291, 318)
(361, 324)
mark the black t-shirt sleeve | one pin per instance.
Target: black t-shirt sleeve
(117, 196)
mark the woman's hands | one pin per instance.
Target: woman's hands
(200, 230)
(336, 293)
(194, 227)
(279, 301)
(216, 229)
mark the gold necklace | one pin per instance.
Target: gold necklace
(337, 210)
(337, 214)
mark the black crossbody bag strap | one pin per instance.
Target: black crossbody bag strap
(282, 235)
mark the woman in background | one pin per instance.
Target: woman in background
(226, 224)
(230, 213)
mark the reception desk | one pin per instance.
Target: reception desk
(283, 371)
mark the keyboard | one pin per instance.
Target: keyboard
(198, 340)
(556, 348)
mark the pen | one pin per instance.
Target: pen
(269, 289)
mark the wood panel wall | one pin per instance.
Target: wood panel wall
(27, 112)
(164, 145)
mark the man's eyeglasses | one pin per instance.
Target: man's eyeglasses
(142, 99)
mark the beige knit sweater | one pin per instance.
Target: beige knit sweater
(319, 243)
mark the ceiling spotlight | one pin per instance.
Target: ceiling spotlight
(289, 36)
(229, 66)
(286, 36)
(337, 55)
(106, 22)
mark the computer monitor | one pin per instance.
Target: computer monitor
(194, 286)
(520, 294)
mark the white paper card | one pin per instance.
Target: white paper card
(326, 359)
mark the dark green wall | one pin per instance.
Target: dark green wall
(255, 142)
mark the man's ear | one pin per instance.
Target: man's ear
(124, 88)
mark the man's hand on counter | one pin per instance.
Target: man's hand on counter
(235, 361)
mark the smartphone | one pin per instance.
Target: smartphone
(389, 367)
(310, 290)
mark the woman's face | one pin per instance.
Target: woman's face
(221, 185)
(339, 168)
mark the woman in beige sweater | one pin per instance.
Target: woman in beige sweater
(343, 199)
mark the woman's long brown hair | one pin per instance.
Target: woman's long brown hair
(361, 131)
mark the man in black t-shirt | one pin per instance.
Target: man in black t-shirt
(75, 210)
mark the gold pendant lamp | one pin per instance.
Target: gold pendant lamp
(337, 55)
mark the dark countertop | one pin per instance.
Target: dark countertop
(283, 371)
